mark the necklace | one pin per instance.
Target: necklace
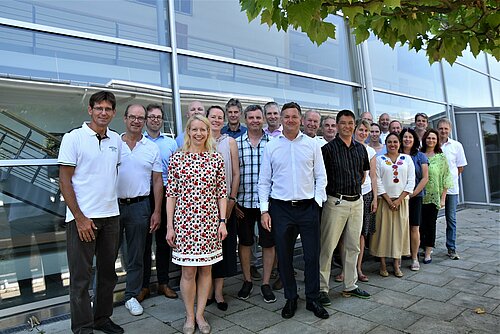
(395, 166)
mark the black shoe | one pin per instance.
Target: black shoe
(356, 293)
(267, 293)
(222, 306)
(324, 299)
(290, 307)
(245, 290)
(317, 309)
(109, 327)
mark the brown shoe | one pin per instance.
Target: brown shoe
(164, 289)
(143, 294)
(277, 285)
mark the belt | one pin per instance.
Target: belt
(350, 198)
(296, 203)
(133, 200)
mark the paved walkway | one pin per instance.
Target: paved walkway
(445, 296)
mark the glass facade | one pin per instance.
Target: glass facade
(55, 54)
(490, 126)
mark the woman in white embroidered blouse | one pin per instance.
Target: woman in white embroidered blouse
(395, 181)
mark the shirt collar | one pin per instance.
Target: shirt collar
(91, 132)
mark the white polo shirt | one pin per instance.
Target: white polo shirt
(134, 174)
(455, 155)
(95, 176)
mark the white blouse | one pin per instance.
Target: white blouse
(394, 178)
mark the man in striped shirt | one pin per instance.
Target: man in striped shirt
(250, 150)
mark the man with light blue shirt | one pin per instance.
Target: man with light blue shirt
(233, 128)
(140, 167)
(291, 186)
(167, 146)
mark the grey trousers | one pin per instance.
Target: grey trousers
(80, 259)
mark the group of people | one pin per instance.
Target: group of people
(203, 194)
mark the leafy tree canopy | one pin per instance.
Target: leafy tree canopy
(443, 28)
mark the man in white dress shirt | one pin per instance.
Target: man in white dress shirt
(291, 187)
(455, 155)
(311, 123)
(140, 159)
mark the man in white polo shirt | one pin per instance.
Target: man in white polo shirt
(89, 157)
(140, 159)
(454, 152)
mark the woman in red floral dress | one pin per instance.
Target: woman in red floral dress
(196, 208)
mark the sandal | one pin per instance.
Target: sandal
(398, 273)
(362, 278)
(384, 273)
(339, 278)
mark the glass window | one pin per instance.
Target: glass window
(495, 84)
(494, 66)
(404, 71)
(468, 59)
(465, 87)
(48, 56)
(135, 20)
(210, 76)
(220, 28)
(404, 109)
(490, 125)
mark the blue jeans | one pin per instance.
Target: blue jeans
(451, 221)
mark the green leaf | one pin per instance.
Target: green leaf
(361, 34)
(374, 7)
(474, 45)
(378, 23)
(351, 12)
(392, 3)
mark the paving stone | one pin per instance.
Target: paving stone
(471, 301)
(247, 318)
(494, 292)
(392, 317)
(353, 306)
(432, 292)
(393, 283)
(482, 323)
(465, 274)
(428, 325)
(395, 299)
(489, 279)
(167, 310)
(435, 309)
(234, 305)
(291, 326)
(488, 268)
(344, 323)
(384, 330)
(468, 286)
(432, 279)
(148, 325)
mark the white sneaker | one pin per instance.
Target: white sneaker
(134, 307)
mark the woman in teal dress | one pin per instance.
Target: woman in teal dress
(435, 191)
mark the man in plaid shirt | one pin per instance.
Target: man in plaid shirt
(250, 150)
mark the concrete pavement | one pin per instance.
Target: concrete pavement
(445, 296)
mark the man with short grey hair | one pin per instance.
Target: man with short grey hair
(272, 115)
(383, 121)
(311, 122)
(194, 108)
(329, 128)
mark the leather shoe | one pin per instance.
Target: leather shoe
(290, 307)
(317, 309)
(164, 289)
(109, 327)
(145, 293)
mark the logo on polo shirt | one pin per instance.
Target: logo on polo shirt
(113, 148)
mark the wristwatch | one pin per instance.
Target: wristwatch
(222, 220)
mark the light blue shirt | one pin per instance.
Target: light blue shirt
(167, 147)
(180, 139)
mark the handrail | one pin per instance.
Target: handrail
(29, 125)
(31, 142)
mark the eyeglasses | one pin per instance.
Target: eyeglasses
(135, 118)
(101, 109)
(155, 118)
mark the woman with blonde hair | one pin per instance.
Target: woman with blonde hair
(196, 217)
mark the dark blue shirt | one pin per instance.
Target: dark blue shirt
(418, 160)
(235, 134)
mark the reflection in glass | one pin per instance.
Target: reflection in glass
(135, 20)
(494, 66)
(48, 56)
(495, 85)
(205, 75)
(465, 87)
(490, 126)
(478, 63)
(221, 28)
(404, 109)
(404, 71)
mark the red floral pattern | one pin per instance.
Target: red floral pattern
(197, 180)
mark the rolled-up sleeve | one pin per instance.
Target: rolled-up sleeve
(264, 185)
